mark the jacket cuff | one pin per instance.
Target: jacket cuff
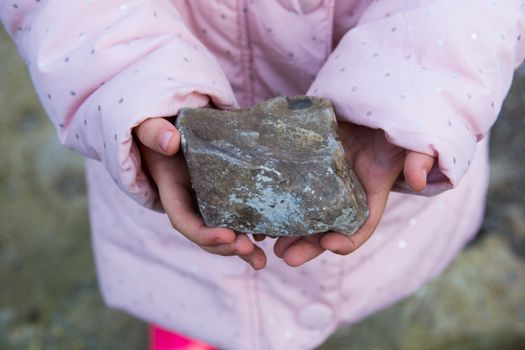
(148, 89)
(410, 103)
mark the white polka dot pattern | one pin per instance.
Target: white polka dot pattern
(432, 74)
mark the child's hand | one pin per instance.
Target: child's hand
(159, 147)
(378, 164)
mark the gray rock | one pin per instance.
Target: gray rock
(276, 169)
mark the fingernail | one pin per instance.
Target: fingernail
(165, 140)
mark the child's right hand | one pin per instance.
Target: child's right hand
(159, 147)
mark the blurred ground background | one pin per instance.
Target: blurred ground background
(48, 291)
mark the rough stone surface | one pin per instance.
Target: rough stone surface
(276, 169)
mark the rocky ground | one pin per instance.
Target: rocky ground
(48, 291)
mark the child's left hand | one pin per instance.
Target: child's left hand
(378, 164)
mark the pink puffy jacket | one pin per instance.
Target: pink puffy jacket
(432, 74)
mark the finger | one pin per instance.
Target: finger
(257, 258)
(343, 245)
(249, 252)
(416, 168)
(241, 246)
(172, 182)
(179, 206)
(282, 244)
(221, 249)
(303, 251)
(159, 135)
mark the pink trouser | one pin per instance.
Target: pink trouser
(161, 339)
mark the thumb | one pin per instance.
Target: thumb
(159, 135)
(416, 168)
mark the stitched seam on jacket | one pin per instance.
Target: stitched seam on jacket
(261, 340)
(246, 51)
(330, 4)
(252, 308)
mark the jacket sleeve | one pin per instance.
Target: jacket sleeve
(432, 74)
(102, 67)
